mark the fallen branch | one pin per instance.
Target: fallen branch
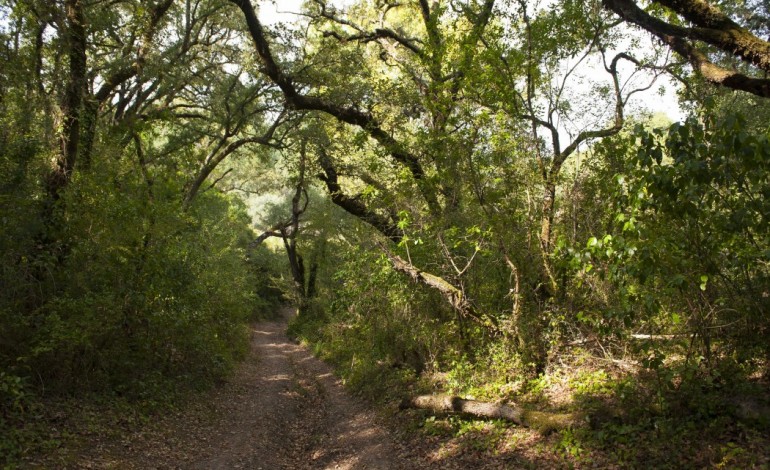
(661, 337)
(454, 296)
(538, 420)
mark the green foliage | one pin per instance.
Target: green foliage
(146, 297)
(112, 289)
(15, 402)
(706, 274)
(641, 423)
(492, 373)
(148, 302)
(445, 131)
(372, 328)
(569, 444)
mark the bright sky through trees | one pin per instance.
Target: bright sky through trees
(274, 11)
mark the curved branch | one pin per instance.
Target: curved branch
(222, 151)
(379, 33)
(718, 29)
(712, 27)
(617, 125)
(716, 74)
(346, 114)
(353, 205)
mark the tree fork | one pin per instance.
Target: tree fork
(72, 102)
(451, 294)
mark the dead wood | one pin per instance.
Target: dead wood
(661, 337)
(543, 422)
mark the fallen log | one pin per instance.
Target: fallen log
(661, 337)
(541, 421)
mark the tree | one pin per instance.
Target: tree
(534, 79)
(109, 281)
(697, 23)
(304, 283)
(439, 195)
(417, 119)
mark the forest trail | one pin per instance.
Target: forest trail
(283, 408)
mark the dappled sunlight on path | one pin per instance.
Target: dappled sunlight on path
(282, 409)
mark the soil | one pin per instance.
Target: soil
(283, 409)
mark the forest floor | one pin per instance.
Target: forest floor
(283, 408)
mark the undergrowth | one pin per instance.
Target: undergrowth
(678, 415)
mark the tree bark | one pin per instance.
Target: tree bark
(451, 294)
(710, 26)
(541, 421)
(71, 106)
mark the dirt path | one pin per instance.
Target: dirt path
(283, 409)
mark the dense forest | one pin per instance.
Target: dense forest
(464, 196)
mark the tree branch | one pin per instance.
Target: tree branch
(451, 294)
(216, 181)
(346, 114)
(379, 33)
(712, 27)
(222, 151)
(353, 205)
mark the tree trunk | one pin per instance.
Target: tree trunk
(546, 223)
(311, 281)
(541, 421)
(71, 106)
(89, 117)
(548, 285)
(60, 174)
